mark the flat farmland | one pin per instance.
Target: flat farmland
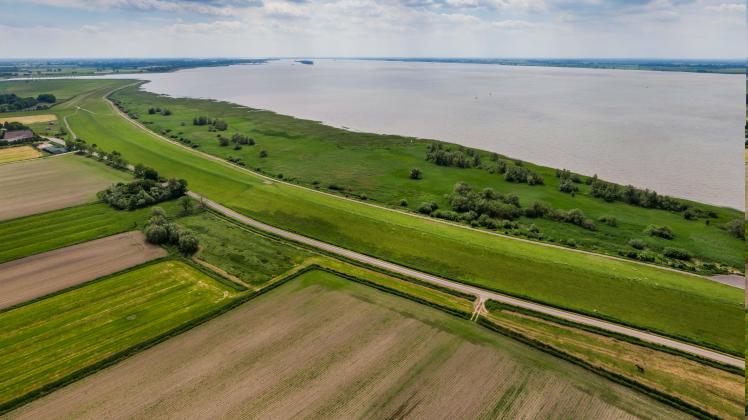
(40, 185)
(42, 274)
(324, 347)
(30, 119)
(60, 228)
(53, 339)
(12, 154)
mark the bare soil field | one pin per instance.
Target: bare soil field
(42, 274)
(40, 185)
(324, 347)
(12, 154)
(30, 119)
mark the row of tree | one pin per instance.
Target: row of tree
(156, 110)
(13, 102)
(214, 123)
(643, 198)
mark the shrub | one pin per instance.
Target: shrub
(263, 153)
(637, 244)
(223, 141)
(608, 220)
(416, 173)
(404, 203)
(538, 209)
(156, 234)
(736, 228)
(446, 214)
(188, 243)
(677, 253)
(567, 186)
(427, 208)
(659, 231)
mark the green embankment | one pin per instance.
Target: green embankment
(675, 304)
(56, 339)
(60, 228)
(378, 167)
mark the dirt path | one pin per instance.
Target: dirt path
(222, 272)
(39, 275)
(482, 294)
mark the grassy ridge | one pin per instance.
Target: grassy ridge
(60, 228)
(671, 303)
(378, 166)
(53, 338)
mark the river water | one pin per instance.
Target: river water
(677, 133)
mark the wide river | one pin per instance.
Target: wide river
(677, 133)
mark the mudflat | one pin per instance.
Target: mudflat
(325, 347)
(38, 275)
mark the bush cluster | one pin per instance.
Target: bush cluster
(242, 139)
(522, 175)
(484, 203)
(643, 198)
(460, 157)
(660, 231)
(736, 228)
(214, 123)
(142, 193)
(160, 231)
(165, 112)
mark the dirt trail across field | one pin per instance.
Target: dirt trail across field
(481, 294)
(39, 275)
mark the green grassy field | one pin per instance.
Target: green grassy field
(674, 304)
(241, 253)
(62, 89)
(378, 167)
(60, 228)
(50, 340)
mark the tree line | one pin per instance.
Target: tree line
(12, 102)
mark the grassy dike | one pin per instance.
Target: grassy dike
(671, 303)
(377, 167)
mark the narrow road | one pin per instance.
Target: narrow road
(481, 294)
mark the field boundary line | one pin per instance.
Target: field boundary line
(411, 214)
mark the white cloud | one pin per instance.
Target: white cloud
(144, 5)
(512, 24)
(727, 8)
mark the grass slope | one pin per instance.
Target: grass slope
(378, 167)
(51, 339)
(675, 304)
(60, 228)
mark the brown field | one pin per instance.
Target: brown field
(30, 119)
(324, 347)
(39, 275)
(12, 154)
(40, 185)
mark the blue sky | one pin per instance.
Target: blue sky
(445, 28)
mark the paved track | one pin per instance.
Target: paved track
(480, 293)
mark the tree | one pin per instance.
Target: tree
(156, 234)
(416, 173)
(188, 206)
(188, 243)
(736, 228)
(223, 141)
